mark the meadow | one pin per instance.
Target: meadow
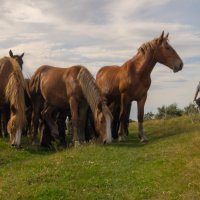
(167, 167)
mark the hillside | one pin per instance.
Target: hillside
(165, 168)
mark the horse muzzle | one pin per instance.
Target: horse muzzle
(177, 68)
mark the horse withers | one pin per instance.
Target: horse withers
(131, 81)
(12, 87)
(64, 88)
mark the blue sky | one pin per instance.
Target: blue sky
(96, 33)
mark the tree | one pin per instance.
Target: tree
(191, 109)
(148, 116)
(168, 111)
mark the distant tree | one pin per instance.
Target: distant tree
(168, 111)
(161, 112)
(191, 109)
(173, 110)
(148, 116)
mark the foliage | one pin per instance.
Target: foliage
(192, 110)
(148, 116)
(168, 111)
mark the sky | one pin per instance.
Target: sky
(96, 33)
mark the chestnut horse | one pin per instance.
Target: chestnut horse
(64, 88)
(5, 110)
(131, 81)
(12, 87)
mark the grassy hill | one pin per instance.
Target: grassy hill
(168, 167)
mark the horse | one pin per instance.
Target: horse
(130, 82)
(71, 88)
(12, 87)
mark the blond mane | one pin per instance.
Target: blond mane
(91, 91)
(14, 94)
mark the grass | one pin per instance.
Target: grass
(165, 168)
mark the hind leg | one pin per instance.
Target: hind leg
(1, 135)
(35, 121)
(140, 105)
(62, 127)
(75, 120)
(47, 115)
(83, 118)
(122, 117)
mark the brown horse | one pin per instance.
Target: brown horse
(131, 81)
(12, 86)
(64, 88)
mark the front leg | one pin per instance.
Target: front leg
(140, 106)
(122, 117)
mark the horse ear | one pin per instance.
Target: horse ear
(22, 55)
(166, 37)
(11, 54)
(161, 37)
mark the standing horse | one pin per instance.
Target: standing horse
(131, 81)
(64, 88)
(12, 87)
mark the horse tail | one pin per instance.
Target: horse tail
(14, 94)
(34, 83)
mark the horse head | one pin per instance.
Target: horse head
(166, 54)
(102, 120)
(18, 58)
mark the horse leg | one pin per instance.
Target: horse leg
(122, 117)
(127, 118)
(35, 121)
(1, 135)
(115, 109)
(62, 127)
(90, 130)
(140, 106)
(75, 123)
(83, 115)
(47, 115)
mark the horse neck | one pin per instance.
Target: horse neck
(143, 64)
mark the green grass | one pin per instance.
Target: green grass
(168, 167)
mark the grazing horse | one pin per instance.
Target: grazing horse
(12, 87)
(131, 81)
(64, 88)
(5, 111)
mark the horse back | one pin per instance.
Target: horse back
(56, 85)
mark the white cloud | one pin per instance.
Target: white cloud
(98, 33)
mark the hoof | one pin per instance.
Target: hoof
(144, 140)
(121, 138)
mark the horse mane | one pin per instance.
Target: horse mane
(149, 46)
(91, 92)
(14, 94)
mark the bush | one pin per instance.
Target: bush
(149, 116)
(169, 111)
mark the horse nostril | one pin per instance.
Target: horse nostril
(104, 142)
